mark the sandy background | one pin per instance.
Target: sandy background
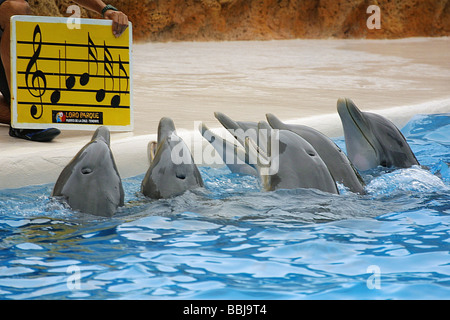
(182, 20)
(297, 80)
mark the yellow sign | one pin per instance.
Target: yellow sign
(70, 77)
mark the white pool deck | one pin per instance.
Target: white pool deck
(297, 80)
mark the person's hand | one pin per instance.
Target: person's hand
(120, 21)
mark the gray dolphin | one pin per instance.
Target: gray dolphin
(337, 162)
(373, 140)
(241, 129)
(172, 169)
(232, 154)
(291, 162)
(91, 182)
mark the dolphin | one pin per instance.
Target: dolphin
(91, 182)
(232, 154)
(373, 140)
(240, 129)
(172, 169)
(337, 162)
(290, 162)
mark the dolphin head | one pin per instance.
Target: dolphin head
(90, 182)
(340, 167)
(373, 140)
(362, 146)
(290, 162)
(172, 169)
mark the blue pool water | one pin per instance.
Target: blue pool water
(232, 241)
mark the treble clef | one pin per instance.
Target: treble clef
(39, 89)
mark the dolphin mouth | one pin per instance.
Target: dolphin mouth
(347, 108)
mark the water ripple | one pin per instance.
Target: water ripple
(232, 241)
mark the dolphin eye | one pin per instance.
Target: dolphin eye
(86, 170)
(312, 154)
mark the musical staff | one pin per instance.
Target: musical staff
(71, 75)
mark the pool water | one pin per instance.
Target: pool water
(232, 241)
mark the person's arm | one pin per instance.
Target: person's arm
(120, 19)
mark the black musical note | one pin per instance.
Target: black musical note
(56, 95)
(108, 67)
(70, 78)
(115, 101)
(37, 75)
(84, 79)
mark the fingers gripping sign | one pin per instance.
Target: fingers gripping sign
(119, 19)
